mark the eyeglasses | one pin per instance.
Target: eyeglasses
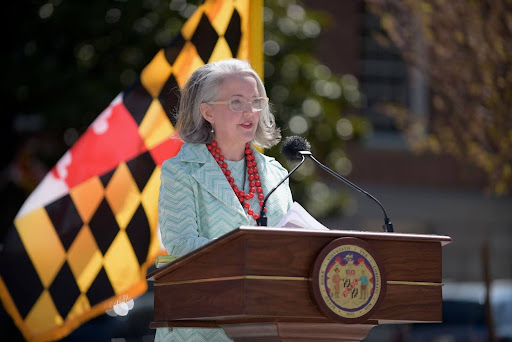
(238, 104)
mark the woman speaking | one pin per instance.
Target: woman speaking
(217, 182)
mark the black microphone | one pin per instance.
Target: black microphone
(302, 142)
(290, 149)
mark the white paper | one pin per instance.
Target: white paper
(298, 217)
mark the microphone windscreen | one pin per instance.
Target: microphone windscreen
(292, 145)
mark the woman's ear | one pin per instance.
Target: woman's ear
(206, 112)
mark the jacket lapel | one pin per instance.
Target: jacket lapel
(206, 171)
(270, 176)
(267, 180)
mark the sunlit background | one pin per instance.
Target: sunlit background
(409, 99)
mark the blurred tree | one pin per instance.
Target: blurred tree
(310, 101)
(63, 64)
(66, 61)
(465, 49)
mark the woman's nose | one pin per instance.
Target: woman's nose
(249, 110)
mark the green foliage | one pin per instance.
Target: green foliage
(465, 50)
(309, 100)
(67, 61)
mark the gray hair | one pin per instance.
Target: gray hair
(203, 86)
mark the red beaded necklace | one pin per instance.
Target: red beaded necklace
(254, 177)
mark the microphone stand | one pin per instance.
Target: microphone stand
(388, 226)
(262, 220)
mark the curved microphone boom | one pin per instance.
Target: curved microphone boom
(289, 149)
(302, 142)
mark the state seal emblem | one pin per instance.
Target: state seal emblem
(347, 280)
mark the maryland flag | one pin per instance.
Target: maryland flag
(85, 237)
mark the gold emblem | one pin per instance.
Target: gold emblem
(347, 281)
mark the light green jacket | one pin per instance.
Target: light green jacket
(197, 204)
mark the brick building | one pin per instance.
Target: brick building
(421, 193)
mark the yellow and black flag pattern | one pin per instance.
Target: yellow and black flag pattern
(85, 237)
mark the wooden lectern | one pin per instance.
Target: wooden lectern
(267, 284)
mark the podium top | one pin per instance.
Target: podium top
(443, 239)
(294, 232)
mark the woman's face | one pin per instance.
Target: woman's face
(233, 128)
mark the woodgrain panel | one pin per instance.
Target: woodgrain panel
(411, 303)
(280, 298)
(221, 261)
(222, 281)
(199, 300)
(296, 332)
(283, 255)
(409, 260)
